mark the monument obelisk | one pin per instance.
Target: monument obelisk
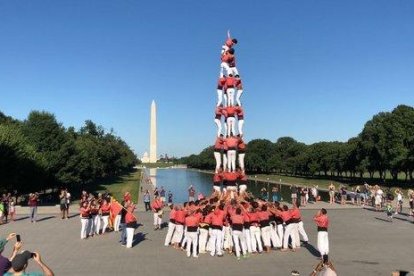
(153, 134)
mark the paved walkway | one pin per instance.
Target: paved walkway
(361, 242)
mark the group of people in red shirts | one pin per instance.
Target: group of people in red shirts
(243, 225)
(103, 210)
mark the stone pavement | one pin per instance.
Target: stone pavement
(361, 242)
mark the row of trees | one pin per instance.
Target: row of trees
(40, 153)
(385, 145)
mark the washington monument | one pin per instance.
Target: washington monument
(153, 134)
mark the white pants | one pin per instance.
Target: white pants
(231, 160)
(302, 231)
(97, 224)
(216, 188)
(234, 71)
(117, 222)
(274, 236)
(91, 228)
(224, 160)
(231, 121)
(227, 240)
(129, 236)
(192, 239)
(238, 95)
(84, 228)
(240, 124)
(216, 244)
(230, 96)
(157, 220)
(241, 160)
(105, 223)
(247, 238)
(217, 156)
(171, 228)
(289, 231)
(265, 231)
(225, 99)
(218, 123)
(323, 243)
(255, 238)
(219, 96)
(202, 242)
(178, 233)
(296, 234)
(209, 246)
(280, 232)
(242, 188)
(238, 238)
(224, 69)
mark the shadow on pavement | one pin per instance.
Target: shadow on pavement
(22, 218)
(138, 238)
(382, 219)
(312, 250)
(46, 218)
(74, 215)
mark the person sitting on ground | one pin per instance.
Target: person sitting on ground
(20, 262)
(5, 263)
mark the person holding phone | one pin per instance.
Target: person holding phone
(5, 263)
(20, 263)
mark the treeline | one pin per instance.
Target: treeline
(385, 145)
(40, 153)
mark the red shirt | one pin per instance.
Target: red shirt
(221, 82)
(129, 217)
(295, 213)
(105, 208)
(85, 212)
(232, 142)
(218, 145)
(237, 219)
(239, 112)
(229, 111)
(180, 216)
(321, 221)
(218, 177)
(285, 215)
(229, 43)
(241, 145)
(239, 84)
(156, 204)
(230, 82)
(230, 176)
(263, 215)
(32, 202)
(192, 221)
(218, 218)
(254, 218)
(172, 214)
(227, 57)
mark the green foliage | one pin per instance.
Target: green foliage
(40, 153)
(385, 145)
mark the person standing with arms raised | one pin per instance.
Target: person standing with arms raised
(157, 207)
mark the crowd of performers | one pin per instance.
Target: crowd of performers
(97, 214)
(238, 223)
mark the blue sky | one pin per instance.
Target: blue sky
(313, 70)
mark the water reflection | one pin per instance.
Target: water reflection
(178, 181)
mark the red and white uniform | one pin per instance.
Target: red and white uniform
(85, 215)
(322, 223)
(179, 218)
(256, 241)
(241, 150)
(289, 229)
(239, 88)
(240, 119)
(217, 119)
(171, 227)
(237, 222)
(232, 142)
(217, 222)
(157, 206)
(220, 86)
(230, 89)
(218, 147)
(191, 222)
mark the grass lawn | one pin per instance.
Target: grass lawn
(118, 186)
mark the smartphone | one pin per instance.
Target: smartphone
(18, 238)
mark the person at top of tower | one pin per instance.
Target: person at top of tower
(217, 119)
(229, 43)
(239, 88)
(227, 59)
(220, 86)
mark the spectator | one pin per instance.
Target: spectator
(147, 200)
(62, 198)
(33, 201)
(191, 193)
(5, 263)
(275, 194)
(20, 262)
(162, 194)
(68, 201)
(12, 209)
(170, 197)
(294, 194)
